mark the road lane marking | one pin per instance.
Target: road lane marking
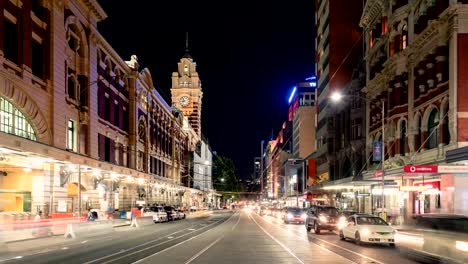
(348, 250)
(278, 242)
(234, 226)
(180, 243)
(203, 250)
(148, 242)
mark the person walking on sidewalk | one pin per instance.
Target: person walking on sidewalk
(90, 216)
(110, 213)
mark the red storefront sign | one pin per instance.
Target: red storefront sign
(420, 169)
(378, 174)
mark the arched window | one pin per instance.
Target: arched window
(418, 136)
(433, 129)
(12, 121)
(445, 125)
(402, 138)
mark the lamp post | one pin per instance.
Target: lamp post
(337, 97)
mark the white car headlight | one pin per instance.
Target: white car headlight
(322, 219)
(289, 215)
(304, 216)
(366, 231)
(342, 219)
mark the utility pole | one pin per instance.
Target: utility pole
(261, 170)
(384, 214)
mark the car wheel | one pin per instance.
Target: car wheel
(357, 239)
(342, 237)
(316, 229)
(392, 245)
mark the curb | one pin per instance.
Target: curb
(31, 239)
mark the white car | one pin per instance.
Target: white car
(368, 229)
(157, 212)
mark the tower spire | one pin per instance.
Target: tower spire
(187, 54)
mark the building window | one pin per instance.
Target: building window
(106, 107)
(72, 84)
(404, 38)
(12, 121)
(403, 138)
(116, 114)
(433, 129)
(107, 149)
(125, 119)
(185, 68)
(71, 135)
(37, 59)
(11, 41)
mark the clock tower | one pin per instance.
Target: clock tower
(186, 91)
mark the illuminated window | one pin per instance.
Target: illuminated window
(71, 135)
(12, 121)
(185, 68)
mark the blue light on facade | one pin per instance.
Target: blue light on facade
(292, 94)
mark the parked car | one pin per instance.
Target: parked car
(293, 215)
(436, 238)
(322, 217)
(180, 214)
(363, 228)
(171, 213)
(159, 215)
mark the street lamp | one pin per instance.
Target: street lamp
(337, 97)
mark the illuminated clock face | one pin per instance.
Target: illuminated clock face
(184, 100)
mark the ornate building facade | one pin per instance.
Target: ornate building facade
(79, 121)
(416, 64)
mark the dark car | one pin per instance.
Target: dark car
(293, 215)
(171, 213)
(348, 213)
(322, 217)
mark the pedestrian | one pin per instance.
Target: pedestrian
(38, 216)
(90, 216)
(110, 213)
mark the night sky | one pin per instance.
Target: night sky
(249, 55)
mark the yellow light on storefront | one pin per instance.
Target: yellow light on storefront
(71, 167)
(114, 176)
(414, 188)
(96, 173)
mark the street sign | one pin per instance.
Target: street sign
(420, 169)
(377, 151)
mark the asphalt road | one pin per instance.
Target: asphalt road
(243, 237)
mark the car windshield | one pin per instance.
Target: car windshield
(294, 210)
(370, 221)
(328, 211)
